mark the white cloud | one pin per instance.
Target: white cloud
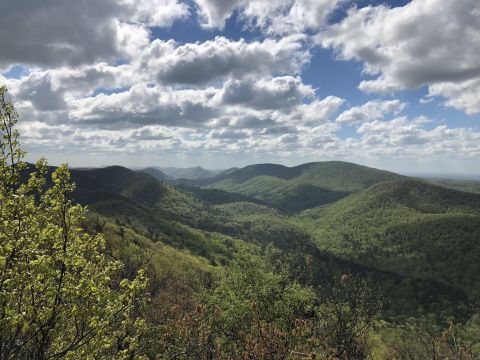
(215, 12)
(425, 42)
(317, 112)
(273, 16)
(372, 110)
(143, 105)
(199, 63)
(404, 137)
(56, 32)
(290, 16)
(160, 13)
(278, 93)
(462, 96)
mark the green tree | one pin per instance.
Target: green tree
(345, 316)
(60, 296)
(253, 313)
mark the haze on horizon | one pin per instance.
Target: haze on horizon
(238, 82)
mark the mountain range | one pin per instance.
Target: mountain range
(417, 238)
(171, 174)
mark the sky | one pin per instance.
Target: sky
(221, 83)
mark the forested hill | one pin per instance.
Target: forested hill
(191, 173)
(332, 175)
(158, 174)
(415, 241)
(409, 227)
(292, 189)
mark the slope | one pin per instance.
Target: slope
(410, 227)
(301, 187)
(158, 174)
(192, 173)
(184, 222)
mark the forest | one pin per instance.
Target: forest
(326, 260)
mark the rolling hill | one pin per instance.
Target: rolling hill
(462, 185)
(192, 173)
(210, 224)
(410, 227)
(292, 189)
(158, 174)
(404, 226)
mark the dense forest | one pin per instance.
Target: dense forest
(327, 260)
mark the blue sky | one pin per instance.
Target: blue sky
(390, 84)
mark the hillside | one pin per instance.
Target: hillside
(410, 227)
(192, 173)
(301, 187)
(97, 184)
(461, 185)
(158, 174)
(211, 224)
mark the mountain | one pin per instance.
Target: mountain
(158, 174)
(192, 173)
(462, 185)
(105, 183)
(292, 189)
(210, 224)
(415, 242)
(410, 227)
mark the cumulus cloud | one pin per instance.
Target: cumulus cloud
(274, 16)
(142, 105)
(55, 32)
(93, 78)
(462, 96)
(422, 43)
(198, 63)
(372, 110)
(278, 93)
(402, 136)
(290, 16)
(215, 12)
(317, 112)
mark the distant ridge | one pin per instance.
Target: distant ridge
(300, 187)
(103, 183)
(158, 174)
(408, 226)
(191, 173)
(334, 175)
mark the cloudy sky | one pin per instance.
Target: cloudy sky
(219, 83)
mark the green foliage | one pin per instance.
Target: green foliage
(254, 313)
(60, 296)
(243, 208)
(345, 316)
(412, 228)
(285, 195)
(343, 176)
(250, 281)
(192, 173)
(419, 339)
(472, 186)
(301, 187)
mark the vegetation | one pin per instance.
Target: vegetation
(408, 227)
(193, 173)
(60, 295)
(472, 186)
(301, 187)
(324, 260)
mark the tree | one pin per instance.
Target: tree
(345, 316)
(253, 313)
(60, 295)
